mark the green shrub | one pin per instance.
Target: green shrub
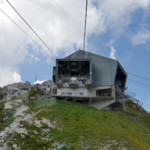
(9, 121)
(33, 93)
(2, 116)
(2, 95)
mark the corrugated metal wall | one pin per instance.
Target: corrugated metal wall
(103, 68)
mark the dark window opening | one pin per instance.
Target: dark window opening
(54, 74)
(120, 79)
(104, 92)
(78, 69)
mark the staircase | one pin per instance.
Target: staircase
(121, 97)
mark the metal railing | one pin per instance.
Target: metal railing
(127, 95)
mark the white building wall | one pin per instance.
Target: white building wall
(72, 92)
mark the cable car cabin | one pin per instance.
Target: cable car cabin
(73, 77)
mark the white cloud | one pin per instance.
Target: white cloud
(16, 77)
(60, 24)
(8, 76)
(39, 81)
(113, 53)
(33, 59)
(117, 14)
(142, 37)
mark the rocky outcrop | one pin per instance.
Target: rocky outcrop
(47, 87)
(18, 89)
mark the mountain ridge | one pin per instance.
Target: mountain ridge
(51, 124)
(29, 121)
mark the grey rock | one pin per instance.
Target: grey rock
(19, 89)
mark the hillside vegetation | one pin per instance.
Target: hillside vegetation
(50, 124)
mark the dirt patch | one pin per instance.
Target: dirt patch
(10, 104)
(46, 121)
(20, 110)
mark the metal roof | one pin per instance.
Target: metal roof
(103, 69)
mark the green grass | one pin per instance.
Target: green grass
(2, 116)
(81, 126)
(33, 93)
(35, 139)
(40, 104)
(32, 102)
(95, 126)
(9, 121)
(6, 116)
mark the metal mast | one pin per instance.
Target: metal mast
(85, 27)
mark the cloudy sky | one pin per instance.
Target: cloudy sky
(119, 29)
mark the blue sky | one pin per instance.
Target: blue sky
(116, 29)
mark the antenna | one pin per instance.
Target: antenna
(35, 78)
(85, 27)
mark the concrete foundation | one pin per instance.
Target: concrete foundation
(100, 104)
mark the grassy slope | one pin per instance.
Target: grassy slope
(92, 126)
(84, 126)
